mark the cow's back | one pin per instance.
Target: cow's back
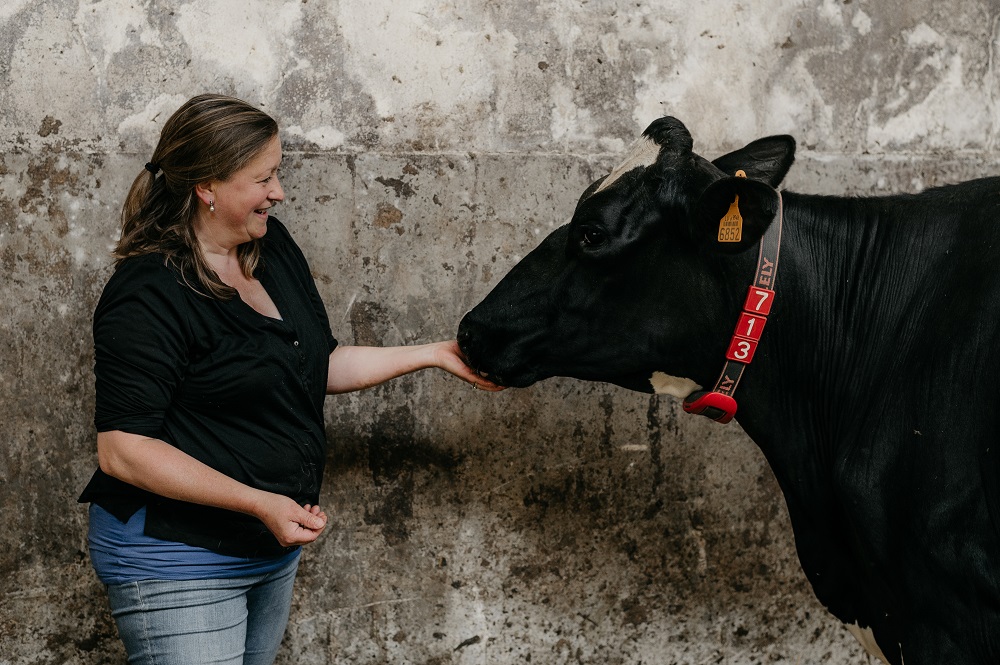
(898, 325)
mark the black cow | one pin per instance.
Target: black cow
(872, 391)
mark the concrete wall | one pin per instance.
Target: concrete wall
(430, 144)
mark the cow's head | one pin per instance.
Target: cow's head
(635, 290)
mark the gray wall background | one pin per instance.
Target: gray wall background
(429, 144)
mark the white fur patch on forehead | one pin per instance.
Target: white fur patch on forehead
(642, 153)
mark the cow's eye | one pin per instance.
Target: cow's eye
(593, 237)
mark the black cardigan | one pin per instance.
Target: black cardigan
(239, 391)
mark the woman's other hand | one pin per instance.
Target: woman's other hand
(291, 523)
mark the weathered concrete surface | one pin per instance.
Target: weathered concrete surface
(429, 145)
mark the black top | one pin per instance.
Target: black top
(235, 389)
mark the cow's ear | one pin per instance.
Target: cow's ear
(767, 159)
(732, 214)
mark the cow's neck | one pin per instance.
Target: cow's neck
(811, 375)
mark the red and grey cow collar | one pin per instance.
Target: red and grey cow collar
(718, 404)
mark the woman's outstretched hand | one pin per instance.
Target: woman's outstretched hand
(449, 358)
(359, 367)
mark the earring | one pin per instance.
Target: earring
(211, 206)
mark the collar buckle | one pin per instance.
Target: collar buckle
(720, 408)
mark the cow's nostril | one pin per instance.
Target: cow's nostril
(464, 338)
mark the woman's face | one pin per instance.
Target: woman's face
(242, 202)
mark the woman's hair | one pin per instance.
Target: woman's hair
(210, 137)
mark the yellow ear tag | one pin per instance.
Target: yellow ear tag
(731, 224)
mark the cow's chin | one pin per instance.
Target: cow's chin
(509, 378)
(516, 371)
(525, 379)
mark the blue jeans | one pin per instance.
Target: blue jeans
(238, 621)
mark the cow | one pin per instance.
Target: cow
(866, 369)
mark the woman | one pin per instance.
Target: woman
(213, 354)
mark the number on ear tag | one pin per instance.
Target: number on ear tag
(731, 224)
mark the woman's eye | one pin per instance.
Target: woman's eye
(593, 237)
